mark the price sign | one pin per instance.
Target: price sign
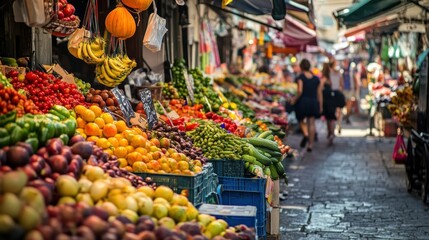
(124, 104)
(149, 107)
(190, 86)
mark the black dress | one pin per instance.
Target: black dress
(308, 105)
(329, 103)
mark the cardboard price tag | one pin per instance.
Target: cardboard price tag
(124, 104)
(173, 115)
(149, 107)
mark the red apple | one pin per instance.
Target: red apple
(68, 10)
(60, 14)
(72, 17)
(67, 19)
(58, 163)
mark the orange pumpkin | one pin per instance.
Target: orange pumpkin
(120, 23)
(139, 5)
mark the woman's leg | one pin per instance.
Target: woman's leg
(304, 129)
(340, 119)
(311, 130)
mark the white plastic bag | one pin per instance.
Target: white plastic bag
(155, 31)
(34, 13)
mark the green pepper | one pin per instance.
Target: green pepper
(7, 118)
(20, 122)
(60, 128)
(10, 126)
(4, 138)
(48, 124)
(43, 136)
(72, 113)
(65, 138)
(34, 142)
(60, 111)
(32, 135)
(30, 123)
(17, 135)
(71, 125)
(53, 117)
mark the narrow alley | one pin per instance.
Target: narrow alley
(352, 190)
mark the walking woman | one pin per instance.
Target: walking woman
(309, 103)
(337, 85)
(329, 103)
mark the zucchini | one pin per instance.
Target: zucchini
(265, 134)
(271, 152)
(267, 171)
(258, 164)
(274, 174)
(280, 169)
(258, 142)
(265, 153)
(248, 158)
(271, 138)
(275, 159)
(259, 157)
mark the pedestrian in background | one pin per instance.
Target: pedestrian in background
(309, 103)
(337, 85)
(329, 103)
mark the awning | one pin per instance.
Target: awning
(299, 11)
(296, 34)
(365, 10)
(254, 7)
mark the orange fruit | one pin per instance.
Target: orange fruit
(108, 151)
(79, 109)
(107, 118)
(134, 157)
(161, 172)
(173, 164)
(154, 149)
(88, 115)
(80, 122)
(130, 148)
(103, 143)
(128, 134)
(119, 136)
(176, 156)
(92, 129)
(113, 141)
(197, 169)
(145, 159)
(80, 130)
(96, 110)
(183, 165)
(122, 162)
(156, 155)
(120, 152)
(121, 126)
(165, 167)
(139, 167)
(123, 142)
(138, 141)
(92, 139)
(165, 143)
(141, 150)
(149, 156)
(154, 165)
(137, 130)
(128, 168)
(197, 163)
(109, 130)
(99, 121)
(188, 172)
(177, 171)
(155, 142)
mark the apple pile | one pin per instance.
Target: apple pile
(103, 98)
(66, 11)
(178, 140)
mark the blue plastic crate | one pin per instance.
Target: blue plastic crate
(245, 192)
(233, 215)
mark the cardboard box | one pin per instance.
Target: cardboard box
(273, 221)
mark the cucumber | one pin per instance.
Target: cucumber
(258, 142)
(274, 174)
(271, 152)
(275, 160)
(271, 138)
(248, 158)
(265, 134)
(280, 169)
(259, 157)
(265, 153)
(258, 164)
(267, 171)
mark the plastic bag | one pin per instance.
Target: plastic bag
(34, 13)
(399, 151)
(155, 31)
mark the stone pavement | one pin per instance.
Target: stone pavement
(352, 190)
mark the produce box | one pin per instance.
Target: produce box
(233, 215)
(210, 185)
(190, 186)
(228, 167)
(246, 192)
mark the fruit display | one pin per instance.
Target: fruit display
(45, 90)
(12, 101)
(225, 123)
(66, 22)
(178, 141)
(82, 86)
(402, 104)
(169, 91)
(92, 51)
(120, 23)
(216, 142)
(114, 70)
(204, 92)
(103, 98)
(4, 81)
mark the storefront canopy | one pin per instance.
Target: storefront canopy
(254, 7)
(296, 34)
(365, 10)
(299, 11)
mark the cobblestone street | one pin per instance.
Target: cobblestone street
(352, 190)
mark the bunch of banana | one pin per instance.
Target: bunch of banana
(114, 70)
(92, 52)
